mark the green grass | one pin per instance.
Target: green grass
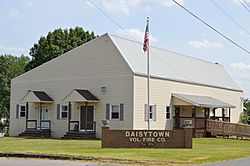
(204, 150)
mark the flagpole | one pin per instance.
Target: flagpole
(148, 92)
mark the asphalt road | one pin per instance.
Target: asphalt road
(240, 162)
(46, 162)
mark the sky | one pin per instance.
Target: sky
(23, 22)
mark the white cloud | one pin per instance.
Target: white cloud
(12, 50)
(126, 6)
(205, 44)
(137, 34)
(242, 67)
(121, 6)
(240, 72)
(14, 13)
(30, 4)
(168, 3)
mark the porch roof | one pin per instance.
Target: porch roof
(81, 95)
(37, 96)
(203, 101)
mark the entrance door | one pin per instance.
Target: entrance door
(87, 118)
(45, 117)
(177, 117)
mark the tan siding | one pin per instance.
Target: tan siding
(160, 93)
(176, 101)
(90, 67)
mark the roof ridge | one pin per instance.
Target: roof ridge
(163, 49)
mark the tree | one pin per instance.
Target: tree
(245, 116)
(10, 67)
(57, 43)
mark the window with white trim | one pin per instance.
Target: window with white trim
(115, 112)
(151, 110)
(168, 112)
(64, 111)
(22, 112)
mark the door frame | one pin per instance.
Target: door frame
(80, 111)
(40, 114)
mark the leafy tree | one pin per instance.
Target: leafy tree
(57, 43)
(10, 67)
(245, 116)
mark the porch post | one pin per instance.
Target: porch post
(69, 116)
(229, 113)
(86, 116)
(41, 115)
(214, 113)
(27, 114)
(223, 114)
(194, 119)
(206, 115)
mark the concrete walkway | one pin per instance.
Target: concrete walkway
(45, 162)
(239, 162)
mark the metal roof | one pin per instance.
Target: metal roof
(173, 66)
(203, 101)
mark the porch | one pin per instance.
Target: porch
(81, 114)
(194, 111)
(37, 112)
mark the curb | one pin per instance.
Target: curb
(51, 156)
(72, 157)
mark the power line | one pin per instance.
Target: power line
(227, 38)
(152, 52)
(221, 34)
(110, 18)
(118, 25)
(246, 2)
(231, 18)
(246, 7)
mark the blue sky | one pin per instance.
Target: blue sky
(23, 22)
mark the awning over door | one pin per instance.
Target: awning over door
(202, 101)
(37, 96)
(80, 95)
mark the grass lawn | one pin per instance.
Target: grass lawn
(204, 150)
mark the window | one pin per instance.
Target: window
(64, 111)
(167, 112)
(151, 114)
(151, 108)
(22, 112)
(115, 112)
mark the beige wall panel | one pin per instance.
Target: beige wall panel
(118, 91)
(160, 93)
(92, 67)
(176, 101)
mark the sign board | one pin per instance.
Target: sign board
(147, 138)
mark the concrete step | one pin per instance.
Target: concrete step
(36, 133)
(79, 138)
(79, 135)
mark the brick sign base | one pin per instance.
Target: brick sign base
(147, 138)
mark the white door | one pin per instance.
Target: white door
(45, 117)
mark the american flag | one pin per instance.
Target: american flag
(146, 39)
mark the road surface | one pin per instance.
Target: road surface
(46, 162)
(239, 162)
